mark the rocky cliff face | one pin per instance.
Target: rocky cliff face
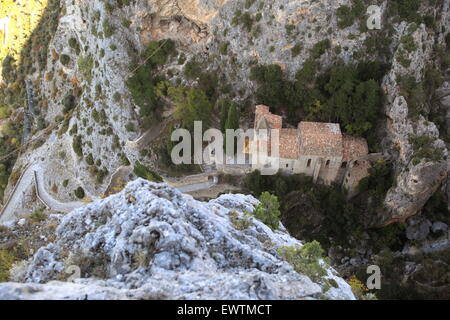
(416, 178)
(110, 37)
(152, 242)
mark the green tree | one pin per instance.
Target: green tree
(6, 262)
(145, 173)
(380, 179)
(306, 259)
(142, 90)
(224, 107)
(232, 123)
(191, 104)
(268, 210)
(233, 117)
(271, 85)
(79, 193)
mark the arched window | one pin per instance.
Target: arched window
(344, 164)
(327, 165)
(308, 165)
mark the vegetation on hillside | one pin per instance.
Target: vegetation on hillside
(142, 82)
(347, 94)
(31, 26)
(268, 210)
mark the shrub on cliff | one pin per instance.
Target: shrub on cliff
(305, 259)
(79, 193)
(268, 210)
(6, 262)
(65, 59)
(145, 173)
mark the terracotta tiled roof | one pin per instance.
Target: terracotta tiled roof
(354, 147)
(320, 139)
(289, 146)
(274, 121)
(311, 138)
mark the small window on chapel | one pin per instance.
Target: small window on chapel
(344, 164)
(287, 165)
(327, 165)
(309, 163)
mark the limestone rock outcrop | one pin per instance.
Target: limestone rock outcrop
(152, 242)
(417, 178)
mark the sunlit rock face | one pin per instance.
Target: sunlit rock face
(151, 241)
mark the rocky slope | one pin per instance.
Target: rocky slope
(227, 36)
(152, 242)
(98, 43)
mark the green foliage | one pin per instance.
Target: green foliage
(353, 103)
(4, 112)
(126, 23)
(408, 43)
(65, 59)
(191, 104)
(405, 9)
(85, 65)
(224, 48)
(158, 53)
(424, 149)
(145, 173)
(224, 106)
(193, 70)
(90, 159)
(436, 208)
(69, 103)
(240, 222)
(378, 44)
(244, 19)
(73, 43)
(289, 29)
(123, 3)
(130, 127)
(232, 122)
(249, 3)
(320, 48)
(117, 97)
(296, 50)
(349, 94)
(141, 84)
(271, 85)
(328, 202)
(38, 216)
(8, 69)
(6, 262)
(108, 29)
(380, 179)
(77, 145)
(233, 117)
(306, 259)
(414, 94)
(347, 15)
(142, 90)
(79, 193)
(268, 210)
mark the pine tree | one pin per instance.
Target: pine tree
(268, 210)
(224, 107)
(233, 118)
(232, 123)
